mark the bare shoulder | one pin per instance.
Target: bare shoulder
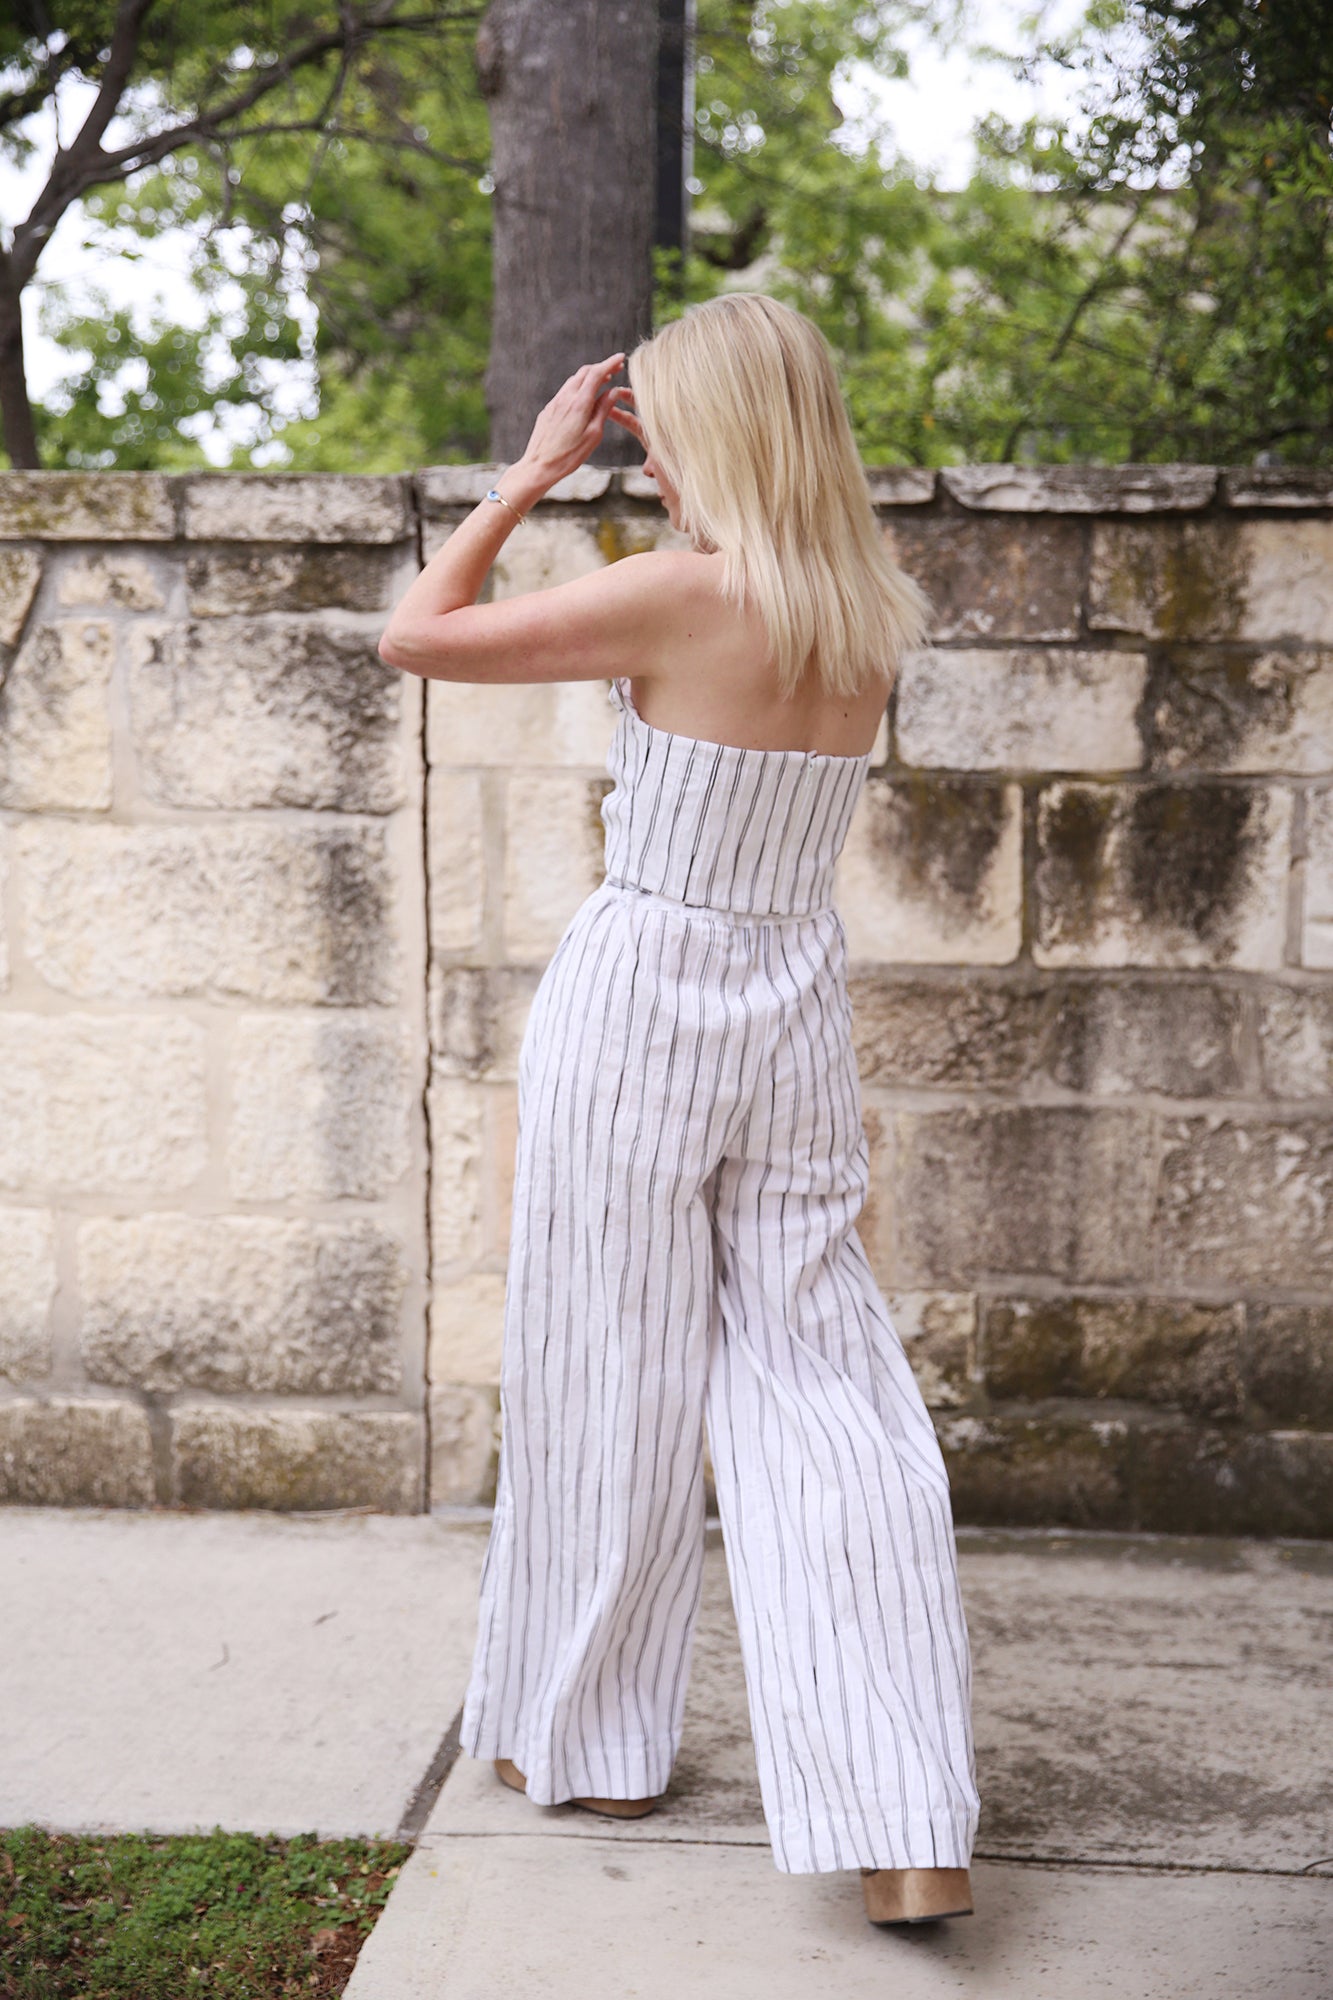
(661, 578)
(685, 584)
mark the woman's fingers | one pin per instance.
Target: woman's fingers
(625, 417)
(588, 379)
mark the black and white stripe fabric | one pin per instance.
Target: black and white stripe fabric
(691, 1163)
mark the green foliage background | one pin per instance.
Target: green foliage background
(1153, 282)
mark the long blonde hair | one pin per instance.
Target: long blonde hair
(740, 401)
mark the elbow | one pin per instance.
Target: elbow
(396, 650)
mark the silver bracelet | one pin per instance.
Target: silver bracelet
(494, 495)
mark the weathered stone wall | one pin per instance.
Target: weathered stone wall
(212, 968)
(1089, 902)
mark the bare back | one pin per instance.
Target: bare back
(707, 674)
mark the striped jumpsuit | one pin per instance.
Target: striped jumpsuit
(690, 1166)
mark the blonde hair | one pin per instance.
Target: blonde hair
(740, 401)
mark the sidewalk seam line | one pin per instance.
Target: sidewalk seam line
(1011, 1860)
(431, 1783)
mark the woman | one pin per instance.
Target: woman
(691, 1160)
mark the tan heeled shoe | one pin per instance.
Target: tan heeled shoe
(915, 1895)
(612, 1808)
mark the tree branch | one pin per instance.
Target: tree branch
(85, 165)
(1092, 290)
(130, 17)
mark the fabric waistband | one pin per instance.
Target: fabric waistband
(714, 911)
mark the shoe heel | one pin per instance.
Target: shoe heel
(915, 1895)
(509, 1773)
(617, 1808)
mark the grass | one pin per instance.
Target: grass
(234, 1916)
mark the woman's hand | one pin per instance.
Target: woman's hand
(629, 419)
(569, 428)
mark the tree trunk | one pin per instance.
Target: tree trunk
(20, 435)
(675, 131)
(572, 95)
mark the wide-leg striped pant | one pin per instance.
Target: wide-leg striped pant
(691, 1162)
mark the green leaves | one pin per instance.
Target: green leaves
(1150, 280)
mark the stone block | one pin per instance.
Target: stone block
(457, 1113)
(254, 1303)
(1246, 1203)
(1081, 489)
(615, 535)
(632, 534)
(1020, 709)
(550, 550)
(1168, 579)
(20, 574)
(297, 507)
(900, 485)
(298, 1459)
(1058, 1191)
(1289, 1365)
(441, 486)
(931, 872)
(1317, 913)
(992, 577)
(628, 535)
(464, 1445)
(4, 903)
(1213, 710)
(107, 580)
(102, 1103)
(545, 723)
(938, 1331)
(237, 713)
(1296, 1040)
(951, 1032)
(1217, 579)
(27, 1289)
(1161, 1351)
(55, 727)
(1277, 486)
(1047, 1471)
(467, 1329)
(319, 1106)
(478, 1014)
(1162, 875)
(498, 1169)
(75, 1451)
(1155, 1474)
(555, 856)
(1201, 1480)
(86, 507)
(456, 859)
(1169, 1037)
(285, 912)
(221, 583)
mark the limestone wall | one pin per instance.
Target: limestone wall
(212, 967)
(252, 1248)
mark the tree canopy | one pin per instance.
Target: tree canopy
(1147, 279)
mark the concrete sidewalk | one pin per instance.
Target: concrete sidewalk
(1153, 1719)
